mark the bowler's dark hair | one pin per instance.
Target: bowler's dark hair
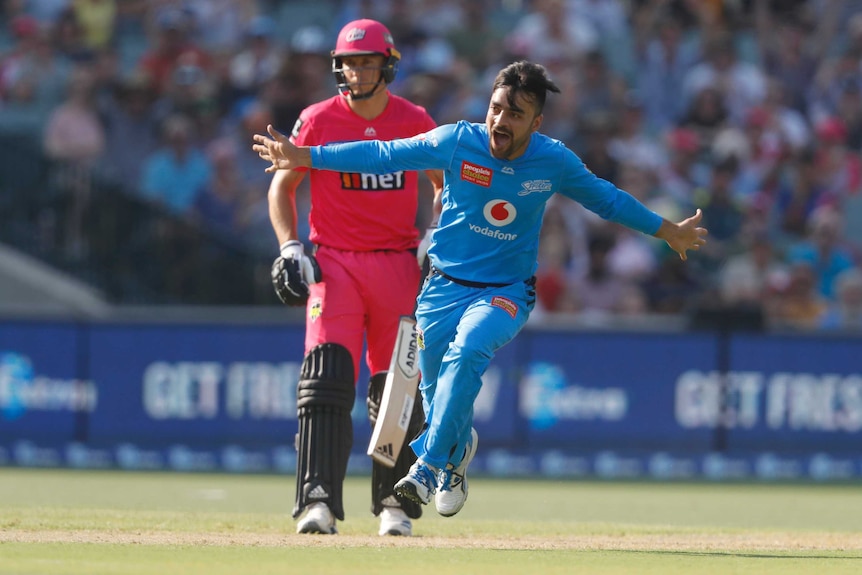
(531, 79)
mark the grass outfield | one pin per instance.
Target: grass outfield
(105, 522)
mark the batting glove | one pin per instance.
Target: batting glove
(293, 272)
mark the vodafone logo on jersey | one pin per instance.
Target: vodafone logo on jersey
(499, 212)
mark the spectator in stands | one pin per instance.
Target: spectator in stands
(789, 123)
(210, 60)
(128, 117)
(173, 46)
(799, 305)
(434, 83)
(309, 57)
(45, 12)
(350, 10)
(33, 78)
(598, 130)
(23, 32)
(219, 25)
(68, 40)
(725, 214)
(257, 61)
(437, 17)
(283, 95)
(672, 288)
(661, 68)
(631, 142)
(740, 85)
(607, 17)
(190, 91)
(547, 31)
(475, 40)
(176, 173)
(74, 134)
(748, 278)
(562, 120)
(97, 19)
(599, 90)
(633, 302)
(823, 249)
(797, 194)
(791, 47)
(555, 262)
(841, 168)
(849, 112)
(834, 76)
(705, 115)
(846, 311)
(254, 116)
(219, 205)
(764, 150)
(599, 292)
(74, 140)
(684, 169)
(631, 257)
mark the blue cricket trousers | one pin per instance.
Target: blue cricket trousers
(460, 330)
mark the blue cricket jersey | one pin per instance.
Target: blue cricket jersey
(488, 231)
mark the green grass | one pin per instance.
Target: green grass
(90, 523)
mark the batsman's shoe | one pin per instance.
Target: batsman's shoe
(419, 484)
(317, 519)
(393, 521)
(453, 484)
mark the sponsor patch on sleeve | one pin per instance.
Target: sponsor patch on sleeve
(478, 175)
(505, 304)
(420, 338)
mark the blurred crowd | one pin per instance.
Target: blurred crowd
(748, 109)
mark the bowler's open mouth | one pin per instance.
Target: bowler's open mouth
(500, 139)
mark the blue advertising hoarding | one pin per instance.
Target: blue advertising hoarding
(594, 391)
(194, 383)
(202, 384)
(207, 397)
(495, 411)
(802, 394)
(45, 390)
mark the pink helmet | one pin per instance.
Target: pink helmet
(365, 37)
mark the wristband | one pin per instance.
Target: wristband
(291, 249)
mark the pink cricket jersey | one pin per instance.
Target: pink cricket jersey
(362, 212)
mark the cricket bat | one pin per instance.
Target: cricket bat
(399, 395)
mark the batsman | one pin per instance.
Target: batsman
(359, 278)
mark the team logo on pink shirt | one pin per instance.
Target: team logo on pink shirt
(373, 182)
(315, 309)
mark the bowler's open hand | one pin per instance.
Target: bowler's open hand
(279, 151)
(685, 235)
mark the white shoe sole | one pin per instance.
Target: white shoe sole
(450, 501)
(317, 520)
(394, 522)
(413, 490)
(314, 528)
